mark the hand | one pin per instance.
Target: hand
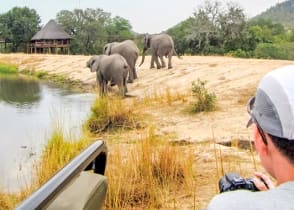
(262, 182)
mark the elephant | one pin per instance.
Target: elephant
(129, 50)
(160, 45)
(113, 68)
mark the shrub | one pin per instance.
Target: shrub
(110, 113)
(289, 48)
(240, 53)
(41, 74)
(205, 101)
(270, 51)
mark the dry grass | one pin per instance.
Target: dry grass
(148, 174)
(244, 95)
(57, 153)
(110, 113)
(150, 171)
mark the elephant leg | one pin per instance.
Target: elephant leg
(157, 62)
(169, 61)
(104, 87)
(99, 83)
(134, 68)
(112, 83)
(162, 62)
(131, 76)
(135, 73)
(121, 88)
(152, 62)
(125, 86)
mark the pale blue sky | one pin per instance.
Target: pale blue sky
(146, 16)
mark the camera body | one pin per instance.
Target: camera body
(233, 181)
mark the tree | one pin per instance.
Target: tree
(178, 33)
(18, 25)
(91, 29)
(232, 25)
(203, 27)
(119, 29)
(87, 28)
(216, 29)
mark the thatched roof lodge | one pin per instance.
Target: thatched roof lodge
(50, 39)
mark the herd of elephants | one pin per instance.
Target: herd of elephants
(117, 64)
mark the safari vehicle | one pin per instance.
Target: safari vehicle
(80, 185)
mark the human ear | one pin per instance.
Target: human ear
(260, 146)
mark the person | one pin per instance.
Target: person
(272, 121)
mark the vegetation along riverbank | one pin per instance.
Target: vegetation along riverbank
(161, 155)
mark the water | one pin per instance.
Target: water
(29, 111)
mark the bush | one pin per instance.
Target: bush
(205, 101)
(270, 51)
(240, 53)
(110, 113)
(289, 48)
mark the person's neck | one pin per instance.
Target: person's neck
(283, 170)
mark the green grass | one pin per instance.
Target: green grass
(8, 69)
(58, 79)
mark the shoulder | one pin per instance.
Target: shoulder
(278, 198)
(234, 200)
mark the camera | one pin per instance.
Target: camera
(233, 181)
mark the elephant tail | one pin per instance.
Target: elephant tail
(175, 53)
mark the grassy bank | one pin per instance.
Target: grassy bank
(7, 69)
(147, 168)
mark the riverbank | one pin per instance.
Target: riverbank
(232, 80)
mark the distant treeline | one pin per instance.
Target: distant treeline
(213, 29)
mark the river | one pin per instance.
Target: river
(29, 111)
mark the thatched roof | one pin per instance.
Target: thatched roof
(51, 31)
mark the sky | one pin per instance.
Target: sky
(145, 16)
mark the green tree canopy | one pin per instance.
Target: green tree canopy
(215, 28)
(119, 29)
(18, 25)
(91, 29)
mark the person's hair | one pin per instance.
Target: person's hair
(285, 146)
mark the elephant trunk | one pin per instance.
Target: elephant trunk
(143, 56)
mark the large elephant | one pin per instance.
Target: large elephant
(112, 68)
(161, 45)
(129, 50)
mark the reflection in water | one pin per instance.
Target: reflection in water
(29, 111)
(19, 91)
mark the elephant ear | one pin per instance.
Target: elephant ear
(90, 62)
(147, 40)
(107, 49)
(95, 65)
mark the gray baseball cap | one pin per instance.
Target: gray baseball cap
(273, 105)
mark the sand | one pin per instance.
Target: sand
(233, 80)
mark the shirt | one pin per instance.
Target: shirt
(279, 198)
